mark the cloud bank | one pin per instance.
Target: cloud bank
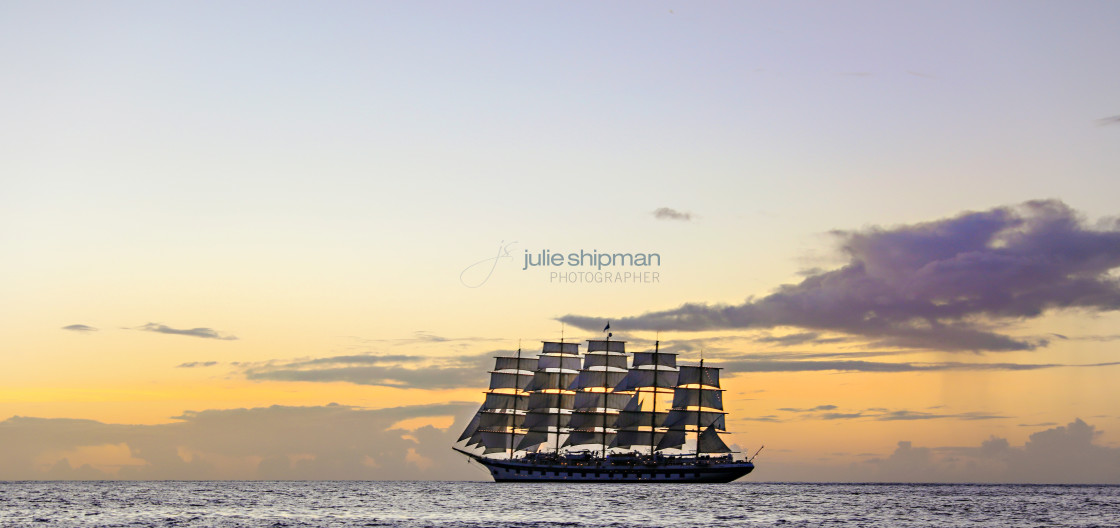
(81, 328)
(1060, 455)
(332, 442)
(946, 285)
(1065, 454)
(336, 442)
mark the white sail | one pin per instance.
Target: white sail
(595, 360)
(690, 375)
(683, 419)
(542, 401)
(710, 398)
(632, 419)
(500, 401)
(576, 438)
(666, 360)
(552, 347)
(547, 421)
(498, 442)
(515, 363)
(637, 379)
(551, 381)
(600, 400)
(559, 362)
(472, 427)
(672, 440)
(531, 440)
(504, 380)
(626, 439)
(499, 421)
(598, 379)
(604, 345)
(592, 420)
(710, 442)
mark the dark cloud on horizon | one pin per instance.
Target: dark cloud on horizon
(817, 408)
(359, 359)
(840, 416)
(918, 415)
(944, 285)
(734, 366)
(424, 337)
(79, 328)
(831, 412)
(1111, 120)
(332, 442)
(466, 371)
(207, 333)
(799, 338)
(763, 418)
(1099, 338)
(396, 370)
(666, 213)
(802, 355)
(197, 364)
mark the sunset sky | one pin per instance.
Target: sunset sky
(283, 239)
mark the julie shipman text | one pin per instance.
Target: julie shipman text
(600, 260)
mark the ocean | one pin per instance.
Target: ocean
(485, 504)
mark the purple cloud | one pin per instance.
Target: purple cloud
(948, 284)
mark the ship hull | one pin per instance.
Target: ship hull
(688, 471)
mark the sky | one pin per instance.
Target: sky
(283, 240)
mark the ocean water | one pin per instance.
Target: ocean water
(478, 504)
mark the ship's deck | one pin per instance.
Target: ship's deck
(628, 469)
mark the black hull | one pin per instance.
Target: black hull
(679, 470)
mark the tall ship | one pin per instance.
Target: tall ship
(602, 416)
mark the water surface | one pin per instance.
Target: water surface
(478, 504)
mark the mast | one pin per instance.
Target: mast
(653, 415)
(650, 372)
(698, 406)
(697, 403)
(596, 406)
(558, 411)
(603, 449)
(550, 395)
(518, 366)
(496, 425)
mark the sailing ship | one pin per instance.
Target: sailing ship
(591, 417)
